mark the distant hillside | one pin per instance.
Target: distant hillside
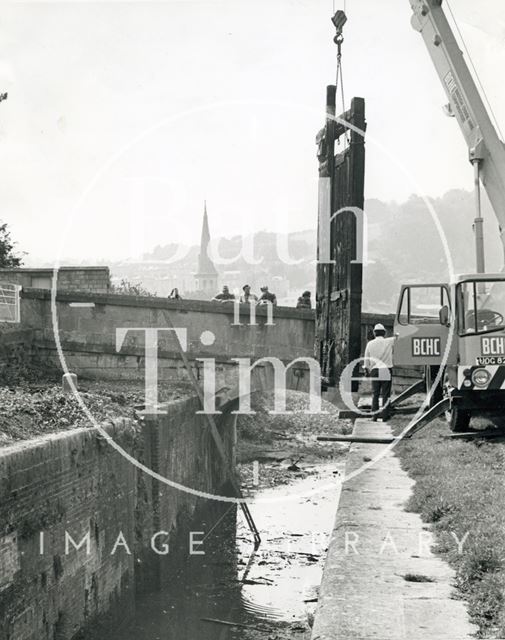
(404, 245)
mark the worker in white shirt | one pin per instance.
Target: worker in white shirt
(378, 364)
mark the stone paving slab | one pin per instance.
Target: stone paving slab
(388, 585)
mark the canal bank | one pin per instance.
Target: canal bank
(381, 579)
(84, 530)
(233, 592)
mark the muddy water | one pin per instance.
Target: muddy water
(269, 594)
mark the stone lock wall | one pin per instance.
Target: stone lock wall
(68, 482)
(74, 483)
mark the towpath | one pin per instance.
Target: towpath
(381, 581)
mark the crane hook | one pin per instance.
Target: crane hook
(339, 20)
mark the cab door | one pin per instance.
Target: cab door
(422, 324)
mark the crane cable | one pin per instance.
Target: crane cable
(345, 6)
(339, 80)
(340, 76)
(476, 73)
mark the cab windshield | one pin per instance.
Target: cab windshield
(481, 306)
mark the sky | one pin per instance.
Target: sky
(122, 118)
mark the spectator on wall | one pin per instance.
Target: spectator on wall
(174, 294)
(224, 296)
(304, 301)
(248, 297)
(267, 296)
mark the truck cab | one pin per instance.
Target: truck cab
(457, 332)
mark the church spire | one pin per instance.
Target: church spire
(206, 278)
(205, 239)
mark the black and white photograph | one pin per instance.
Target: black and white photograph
(252, 320)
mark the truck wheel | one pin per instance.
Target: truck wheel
(458, 419)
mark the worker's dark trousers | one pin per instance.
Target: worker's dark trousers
(381, 388)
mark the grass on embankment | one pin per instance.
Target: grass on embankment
(460, 490)
(29, 411)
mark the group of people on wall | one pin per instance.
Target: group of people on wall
(248, 297)
(266, 296)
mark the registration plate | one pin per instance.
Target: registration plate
(483, 360)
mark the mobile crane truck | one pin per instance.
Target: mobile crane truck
(456, 330)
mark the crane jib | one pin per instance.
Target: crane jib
(485, 148)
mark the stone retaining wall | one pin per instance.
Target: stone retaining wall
(87, 325)
(17, 351)
(94, 279)
(75, 484)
